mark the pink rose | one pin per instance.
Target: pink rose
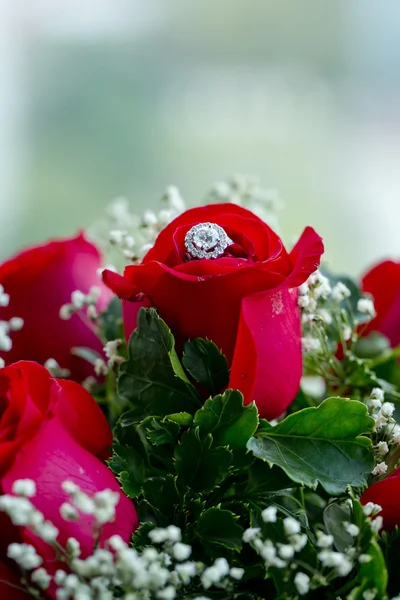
(52, 430)
(39, 281)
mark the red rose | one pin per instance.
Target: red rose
(51, 430)
(383, 283)
(39, 281)
(245, 300)
(386, 493)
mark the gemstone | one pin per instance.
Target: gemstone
(206, 240)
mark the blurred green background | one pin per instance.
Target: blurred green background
(101, 98)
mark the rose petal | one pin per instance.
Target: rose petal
(51, 457)
(10, 585)
(305, 257)
(267, 364)
(383, 283)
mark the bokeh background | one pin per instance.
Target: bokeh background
(101, 98)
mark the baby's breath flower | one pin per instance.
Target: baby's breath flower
(366, 306)
(377, 394)
(291, 526)
(352, 529)
(324, 540)
(24, 487)
(268, 515)
(382, 448)
(380, 469)
(387, 409)
(302, 583)
(310, 344)
(340, 291)
(370, 509)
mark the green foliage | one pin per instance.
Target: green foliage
(206, 364)
(153, 379)
(211, 466)
(320, 445)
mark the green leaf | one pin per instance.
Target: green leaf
(217, 527)
(335, 515)
(230, 423)
(206, 364)
(111, 320)
(161, 431)
(374, 573)
(321, 445)
(153, 378)
(263, 479)
(130, 469)
(162, 494)
(197, 463)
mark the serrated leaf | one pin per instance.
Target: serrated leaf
(218, 527)
(206, 364)
(130, 469)
(227, 419)
(161, 431)
(197, 463)
(162, 494)
(321, 445)
(153, 378)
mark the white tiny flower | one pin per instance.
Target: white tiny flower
(181, 551)
(298, 541)
(25, 555)
(41, 578)
(310, 344)
(377, 524)
(387, 409)
(174, 533)
(66, 312)
(382, 448)
(168, 593)
(366, 306)
(150, 218)
(100, 367)
(371, 509)
(340, 292)
(352, 529)
(236, 573)
(73, 547)
(291, 526)
(302, 583)
(4, 300)
(395, 435)
(375, 404)
(303, 301)
(145, 248)
(68, 512)
(48, 532)
(116, 543)
(325, 316)
(323, 289)
(380, 469)
(78, 299)
(70, 487)
(303, 289)
(24, 487)
(16, 323)
(268, 515)
(346, 332)
(369, 595)
(377, 394)
(285, 551)
(324, 540)
(2, 363)
(364, 558)
(250, 534)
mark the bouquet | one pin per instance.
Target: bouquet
(209, 416)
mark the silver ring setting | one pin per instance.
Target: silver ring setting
(206, 240)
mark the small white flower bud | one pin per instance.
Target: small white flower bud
(24, 487)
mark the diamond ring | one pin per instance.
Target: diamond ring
(206, 240)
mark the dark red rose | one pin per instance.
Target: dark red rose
(383, 283)
(52, 430)
(245, 301)
(386, 493)
(39, 281)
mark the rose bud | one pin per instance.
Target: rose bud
(383, 283)
(219, 272)
(52, 431)
(39, 281)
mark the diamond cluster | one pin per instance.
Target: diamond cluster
(206, 240)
